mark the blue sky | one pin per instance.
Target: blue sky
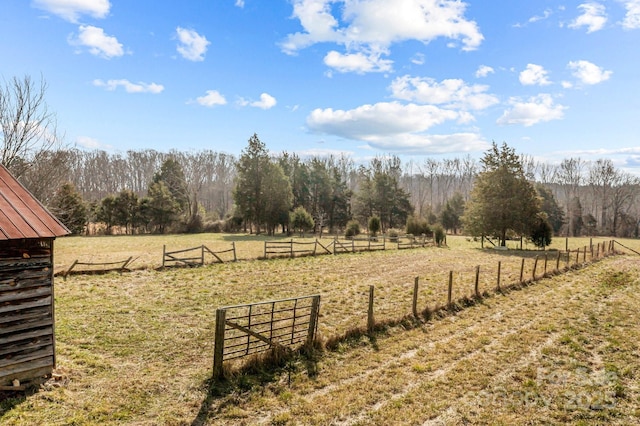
(415, 78)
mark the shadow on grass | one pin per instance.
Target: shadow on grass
(9, 400)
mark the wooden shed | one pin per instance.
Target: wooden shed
(27, 317)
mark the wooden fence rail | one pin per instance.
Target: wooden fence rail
(98, 267)
(293, 248)
(196, 256)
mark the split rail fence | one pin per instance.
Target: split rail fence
(98, 267)
(194, 256)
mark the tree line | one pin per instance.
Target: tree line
(150, 191)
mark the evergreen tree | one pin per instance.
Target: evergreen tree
(451, 216)
(301, 220)
(126, 207)
(162, 208)
(555, 214)
(106, 212)
(69, 207)
(172, 175)
(541, 231)
(502, 198)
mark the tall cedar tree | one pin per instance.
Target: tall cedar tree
(262, 193)
(502, 198)
(69, 208)
(172, 175)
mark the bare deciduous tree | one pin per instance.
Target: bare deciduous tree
(28, 128)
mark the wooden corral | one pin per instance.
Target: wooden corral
(27, 315)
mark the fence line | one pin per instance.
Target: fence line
(194, 260)
(248, 329)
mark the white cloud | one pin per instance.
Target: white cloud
(191, 45)
(240, 3)
(593, 17)
(99, 43)
(380, 120)
(71, 10)
(372, 26)
(452, 93)
(87, 142)
(357, 62)
(534, 75)
(632, 17)
(421, 144)
(542, 17)
(266, 102)
(418, 59)
(536, 109)
(589, 73)
(484, 70)
(212, 98)
(129, 87)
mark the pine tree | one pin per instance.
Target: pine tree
(502, 198)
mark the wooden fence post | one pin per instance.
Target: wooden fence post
(414, 307)
(558, 262)
(545, 263)
(475, 286)
(577, 256)
(498, 279)
(218, 351)
(535, 265)
(265, 249)
(164, 251)
(370, 320)
(233, 246)
(521, 270)
(313, 320)
(202, 255)
(450, 291)
(291, 242)
(584, 255)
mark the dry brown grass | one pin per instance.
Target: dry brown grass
(137, 348)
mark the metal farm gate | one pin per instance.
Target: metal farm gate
(244, 330)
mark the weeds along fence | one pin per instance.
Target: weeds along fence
(194, 256)
(456, 289)
(386, 304)
(244, 330)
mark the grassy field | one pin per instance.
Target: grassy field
(137, 348)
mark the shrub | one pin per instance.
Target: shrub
(374, 225)
(439, 234)
(353, 229)
(301, 220)
(417, 226)
(541, 232)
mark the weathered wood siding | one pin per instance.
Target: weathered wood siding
(27, 342)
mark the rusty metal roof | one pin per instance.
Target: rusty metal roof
(21, 215)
